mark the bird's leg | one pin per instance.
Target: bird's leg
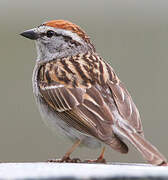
(100, 159)
(66, 157)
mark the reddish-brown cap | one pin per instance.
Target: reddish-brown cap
(63, 24)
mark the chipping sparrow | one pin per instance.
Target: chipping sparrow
(78, 93)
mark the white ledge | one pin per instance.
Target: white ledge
(77, 171)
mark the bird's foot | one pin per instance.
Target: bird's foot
(164, 164)
(98, 160)
(65, 160)
(77, 160)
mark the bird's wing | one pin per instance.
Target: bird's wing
(80, 91)
(125, 104)
(84, 110)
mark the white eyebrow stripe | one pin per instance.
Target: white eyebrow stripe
(74, 36)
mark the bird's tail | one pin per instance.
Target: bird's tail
(148, 151)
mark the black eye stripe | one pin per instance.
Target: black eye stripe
(45, 34)
(51, 33)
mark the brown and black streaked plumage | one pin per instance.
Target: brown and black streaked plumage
(80, 93)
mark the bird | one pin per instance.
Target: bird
(79, 94)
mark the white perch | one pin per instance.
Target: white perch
(81, 171)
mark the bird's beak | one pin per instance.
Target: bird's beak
(30, 34)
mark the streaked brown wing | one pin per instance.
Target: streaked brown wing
(65, 102)
(125, 105)
(61, 98)
(85, 110)
(86, 105)
(90, 92)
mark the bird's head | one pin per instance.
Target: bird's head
(57, 39)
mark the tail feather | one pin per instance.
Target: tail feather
(148, 151)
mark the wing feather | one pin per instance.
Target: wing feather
(86, 110)
(90, 99)
(61, 98)
(125, 105)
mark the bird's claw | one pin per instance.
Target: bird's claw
(65, 160)
(103, 161)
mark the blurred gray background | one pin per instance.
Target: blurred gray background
(132, 35)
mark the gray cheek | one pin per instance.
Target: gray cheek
(55, 45)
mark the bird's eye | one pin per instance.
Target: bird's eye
(50, 33)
